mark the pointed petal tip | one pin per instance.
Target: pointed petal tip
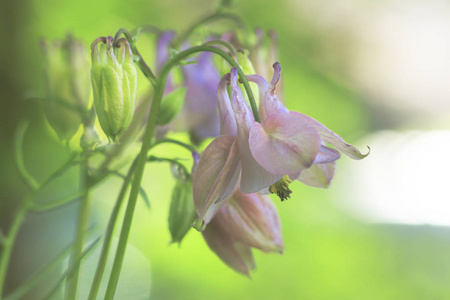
(357, 154)
(277, 66)
(199, 224)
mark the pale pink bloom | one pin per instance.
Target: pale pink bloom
(245, 221)
(279, 123)
(254, 156)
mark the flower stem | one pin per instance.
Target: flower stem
(146, 145)
(108, 236)
(9, 242)
(141, 63)
(209, 19)
(82, 225)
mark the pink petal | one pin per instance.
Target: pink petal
(335, 140)
(236, 255)
(285, 143)
(326, 155)
(254, 177)
(226, 113)
(253, 220)
(215, 177)
(319, 175)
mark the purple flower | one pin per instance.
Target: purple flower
(246, 221)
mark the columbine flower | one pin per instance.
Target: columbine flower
(272, 138)
(198, 116)
(246, 221)
(258, 156)
(227, 162)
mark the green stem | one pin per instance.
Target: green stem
(82, 224)
(89, 249)
(172, 141)
(44, 207)
(224, 44)
(25, 287)
(108, 236)
(9, 242)
(170, 160)
(212, 18)
(141, 63)
(146, 145)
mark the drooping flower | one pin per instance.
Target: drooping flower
(198, 114)
(269, 137)
(256, 157)
(227, 162)
(245, 221)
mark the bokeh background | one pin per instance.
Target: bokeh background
(376, 72)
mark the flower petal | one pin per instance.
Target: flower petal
(285, 143)
(215, 177)
(326, 155)
(253, 220)
(236, 255)
(226, 113)
(254, 177)
(319, 175)
(332, 138)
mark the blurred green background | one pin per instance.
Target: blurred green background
(330, 252)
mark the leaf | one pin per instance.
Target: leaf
(171, 106)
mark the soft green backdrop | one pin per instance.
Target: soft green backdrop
(328, 255)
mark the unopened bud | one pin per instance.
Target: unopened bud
(67, 85)
(182, 210)
(114, 82)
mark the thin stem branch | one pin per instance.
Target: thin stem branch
(209, 19)
(33, 281)
(9, 242)
(108, 236)
(82, 224)
(172, 141)
(141, 62)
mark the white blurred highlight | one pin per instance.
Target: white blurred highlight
(404, 180)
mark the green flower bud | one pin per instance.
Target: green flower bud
(67, 85)
(182, 210)
(114, 82)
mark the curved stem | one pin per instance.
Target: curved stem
(141, 63)
(146, 145)
(172, 141)
(82, 224)
(170, 160)
(108, 236)
(222, 43)
(9, 242)
(209, 19)
(18, 146)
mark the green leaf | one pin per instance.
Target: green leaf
(171, 106)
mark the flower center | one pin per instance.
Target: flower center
(281, 188)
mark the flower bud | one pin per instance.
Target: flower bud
(182, 210)
(67, 85)
(114, 82)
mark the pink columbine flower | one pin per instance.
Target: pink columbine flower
(257, 157)
(272, 136)
(245, 221)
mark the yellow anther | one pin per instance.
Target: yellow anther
(281, 188)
